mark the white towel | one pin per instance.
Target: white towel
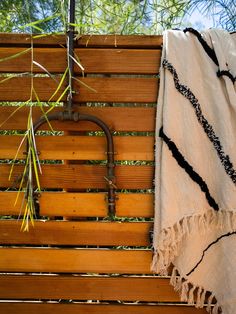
(195, 184)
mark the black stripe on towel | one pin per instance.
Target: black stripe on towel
(210, 52)
(208, 247)
(187, 93)
(226, 73)
(189, 169)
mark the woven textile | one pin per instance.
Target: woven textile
(195, 183)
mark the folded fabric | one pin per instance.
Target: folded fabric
(195, 183)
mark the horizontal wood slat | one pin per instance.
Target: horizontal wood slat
(75, 260)
(81, 204)
(135, 205)
(76, 233)
(48, 308)
(81, 147)
(118, 119)
(93, 60)
(117, 41)
(141, 90)
(87, 288)
(82, 176)
(14, 39)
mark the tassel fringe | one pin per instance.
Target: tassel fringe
(168, 248)
(192, 294)
(170, 238)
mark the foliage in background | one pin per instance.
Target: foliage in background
(113, 16)
(222, 12)
(14, 15)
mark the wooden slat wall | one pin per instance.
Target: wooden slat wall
(84, 256)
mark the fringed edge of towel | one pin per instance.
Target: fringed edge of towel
(194, 295)
(168, 248)
(169, 239)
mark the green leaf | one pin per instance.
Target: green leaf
(60, 84)
(16, 55)
(45, 70)
(87, 86)
(77, 62)
(44, 113)
(46, 19)
(12, 114)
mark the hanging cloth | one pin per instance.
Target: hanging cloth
(195, 181)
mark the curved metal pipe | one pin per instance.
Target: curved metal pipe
(76, 117)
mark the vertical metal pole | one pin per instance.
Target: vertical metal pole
(70, 52)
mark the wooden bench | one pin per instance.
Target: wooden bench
(76, 260)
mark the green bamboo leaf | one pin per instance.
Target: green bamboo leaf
(45, 70)
(35, 168)
(21, 207)
(28, 214)
(78, 63)
(82, 83)
(33, 24)
(62, 95)
(60, 84)
(12, 114)
(32, 135)
(78, 59)
(25, 225)
(13, 75)
(37, 28)
(22, 180)
(59, 99)
(47, 34)
(41, 107)
(16, 55)
(32, 152)
(46, 118)
(7, 78)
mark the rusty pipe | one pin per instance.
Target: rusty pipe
(76, 117)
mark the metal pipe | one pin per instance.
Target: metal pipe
(70, 51)
(76, 117)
